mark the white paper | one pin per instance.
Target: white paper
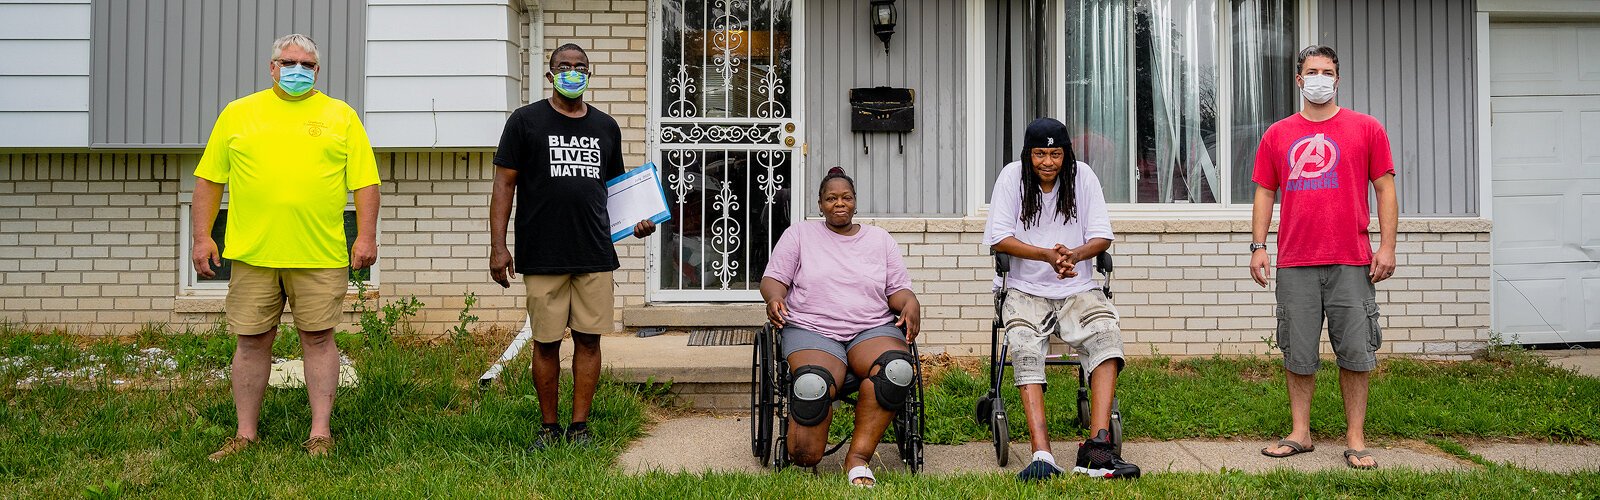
(633, 197)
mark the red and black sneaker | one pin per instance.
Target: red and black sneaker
(1098, 458)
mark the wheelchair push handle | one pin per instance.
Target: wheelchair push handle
(1102, 262)
(1002, 263)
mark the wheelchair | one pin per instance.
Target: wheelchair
(991, 408)
(769, 406)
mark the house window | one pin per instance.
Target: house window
(1167, 99)
(219, 230)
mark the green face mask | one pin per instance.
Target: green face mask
(571, 83)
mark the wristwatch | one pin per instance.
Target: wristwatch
(1257, 246)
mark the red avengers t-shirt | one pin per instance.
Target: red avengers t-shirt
(1321, 171)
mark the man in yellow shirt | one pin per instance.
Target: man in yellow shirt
(289, 155)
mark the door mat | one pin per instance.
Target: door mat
(724, 336)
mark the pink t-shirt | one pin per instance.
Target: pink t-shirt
(838, 285)
(1322, 171)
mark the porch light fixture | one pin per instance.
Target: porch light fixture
(883, 21)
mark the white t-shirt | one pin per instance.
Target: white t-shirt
(1005, 219)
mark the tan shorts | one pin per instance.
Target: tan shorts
(256, 298)
(582, 302)
(1087, 322)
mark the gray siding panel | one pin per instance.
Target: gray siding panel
(1411, 65)
(163, 69)
(927, 53)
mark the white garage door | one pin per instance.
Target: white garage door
(1545, 135)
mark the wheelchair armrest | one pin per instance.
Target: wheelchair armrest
(1002, 263)
(1102, 262)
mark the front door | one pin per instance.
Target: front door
(725, 133)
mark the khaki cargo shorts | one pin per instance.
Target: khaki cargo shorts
(582, 302)
(256, 296)
(1086, 321)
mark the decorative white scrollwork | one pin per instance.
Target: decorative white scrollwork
(771, 181)
(683, 85)
(771, 86)
(680, 179)
(725, 235)
(696, 133)
(727, 38)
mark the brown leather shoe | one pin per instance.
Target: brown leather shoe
(318, 446)
(232, 445)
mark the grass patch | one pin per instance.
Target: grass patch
(418, 426)
(1229, 397)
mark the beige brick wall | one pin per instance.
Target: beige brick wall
(613, 32)
(88, 240)
(434, 240)
(91, 241)
(1183, 287)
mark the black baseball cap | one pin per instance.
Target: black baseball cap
(1045, 133)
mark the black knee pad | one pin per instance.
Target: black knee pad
(808, 395)
(897, 370)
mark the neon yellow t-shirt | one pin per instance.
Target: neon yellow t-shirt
(288, 166)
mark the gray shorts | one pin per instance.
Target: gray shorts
(1342, 294)
(798, 339)
(1086, 321)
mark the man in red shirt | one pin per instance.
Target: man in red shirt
(1321, 160)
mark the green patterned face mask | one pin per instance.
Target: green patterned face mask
(572, 83)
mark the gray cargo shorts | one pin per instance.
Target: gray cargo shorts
(1342, 294)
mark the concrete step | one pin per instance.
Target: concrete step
(702, 377)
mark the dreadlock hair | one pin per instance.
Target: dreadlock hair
(1066, 187)
(835, 173)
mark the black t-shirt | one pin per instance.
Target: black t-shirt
(562, 166)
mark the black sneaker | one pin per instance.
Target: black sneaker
(1098, 458)
(579, 436)
(1039, 470)
(549, 436)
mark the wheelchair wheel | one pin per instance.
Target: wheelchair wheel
(909, 425)
(761, 393)
(1116, 426)
(908, 439)
(1083, 408)
(985, 410)
(1000, 431)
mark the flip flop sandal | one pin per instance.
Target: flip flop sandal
(858, 472)
(1294, 449)
(1348, 454)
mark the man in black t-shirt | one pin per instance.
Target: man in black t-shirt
(555, 156)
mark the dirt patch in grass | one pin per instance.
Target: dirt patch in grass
(935, 366)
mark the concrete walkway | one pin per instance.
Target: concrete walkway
(1584, 361)
(1559, 458)
(722, 444)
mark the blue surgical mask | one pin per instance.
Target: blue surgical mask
(296, 80)
(571, 83)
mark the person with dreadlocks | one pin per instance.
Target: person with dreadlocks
(1049, 214)
(842, 297)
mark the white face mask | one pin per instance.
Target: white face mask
(1318, 88)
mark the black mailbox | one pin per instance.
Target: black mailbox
(883, 109)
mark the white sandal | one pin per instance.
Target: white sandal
(858, 472)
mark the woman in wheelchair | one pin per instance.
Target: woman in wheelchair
(1049, 214)
(834, 288)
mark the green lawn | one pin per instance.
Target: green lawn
(417, 426)
(1225, 397)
